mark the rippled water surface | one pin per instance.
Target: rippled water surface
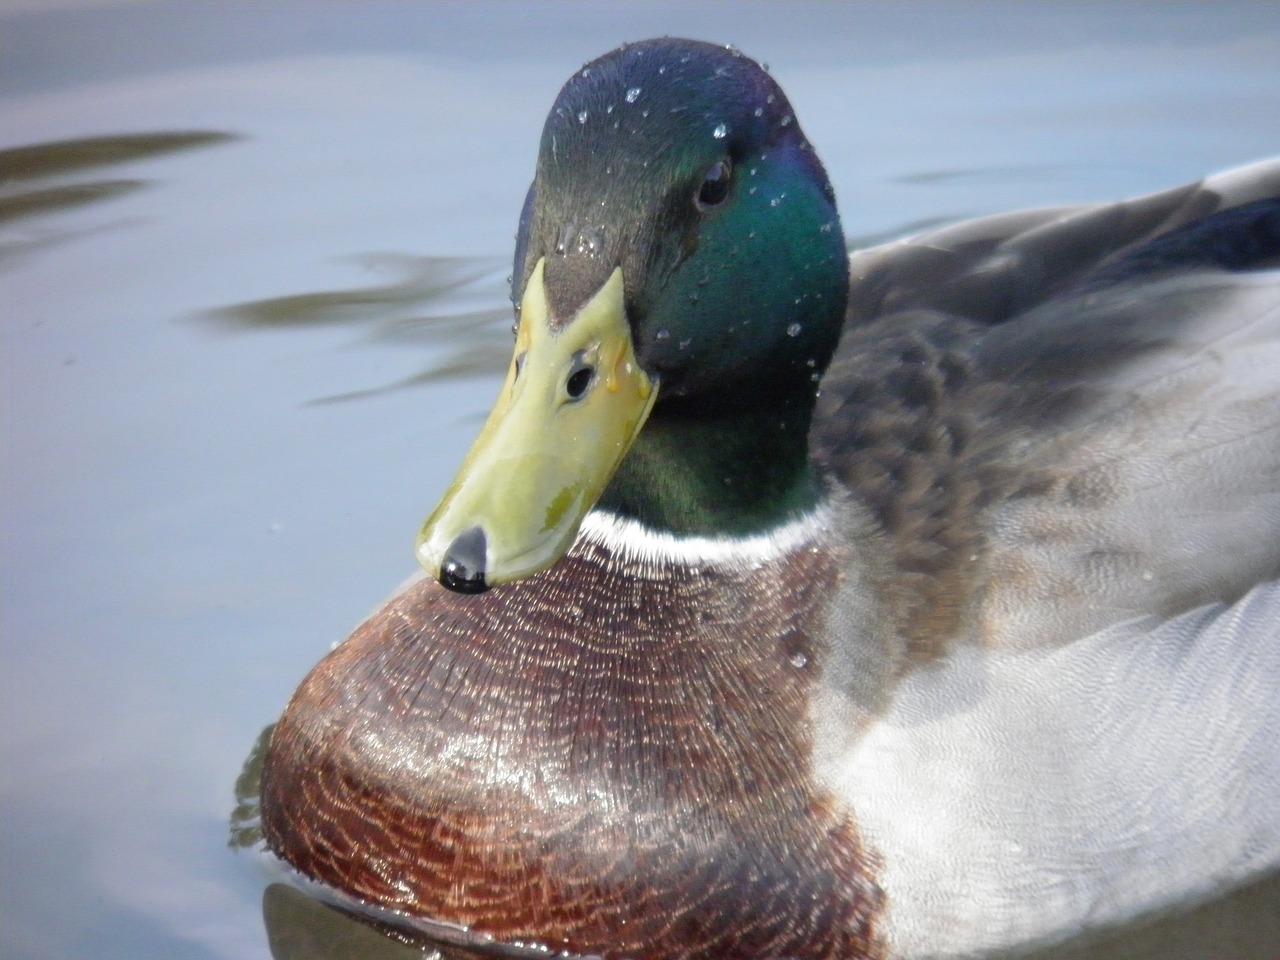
(253, 262)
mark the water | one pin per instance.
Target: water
(253, 312)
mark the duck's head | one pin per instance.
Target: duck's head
(680, 282)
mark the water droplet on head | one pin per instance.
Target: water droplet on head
(632, 94)
(759, 111)
(793, 330)
(769, 98)
(582, 116)
(786, 121)
(799, 660)
(662, 334)
(775, 201)
(826, 227)
(720, 131)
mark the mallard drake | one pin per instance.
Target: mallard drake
(916, 603)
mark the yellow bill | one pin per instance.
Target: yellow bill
(573, 402)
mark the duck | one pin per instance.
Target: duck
(916, 602)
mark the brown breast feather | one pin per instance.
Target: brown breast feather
(609, 758)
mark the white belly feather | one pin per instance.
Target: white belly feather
(1019, 797)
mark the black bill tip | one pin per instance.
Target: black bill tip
(462, 569)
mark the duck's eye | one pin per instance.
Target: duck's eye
(715, 185)
(579, 380)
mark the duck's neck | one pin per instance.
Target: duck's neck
(698, 473)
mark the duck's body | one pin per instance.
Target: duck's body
(992, 661)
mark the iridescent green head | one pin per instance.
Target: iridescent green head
(680, 282)
(682, 163)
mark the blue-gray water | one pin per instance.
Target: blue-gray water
(226, 408)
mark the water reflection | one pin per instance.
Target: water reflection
(20, 167)
(33, 202)
(245, 821)
(303, 926)
(86, 153)
(300, 928)
(468, 343)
